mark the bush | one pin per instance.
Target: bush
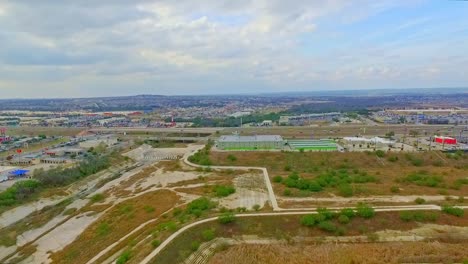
(380, 153)
(227, 218)
(308, 220)
(124, 257)
(349, 212)
(393, 159)
(395, 189)
(287, 168)
(256, 207)
(422, 178)
(155, 243)
(97, 197)
(197, 206)
(417, 162)
(277, 179)
(326, 213)
(195, 245)
(231, 158)
(343, 219)
(365, 211)
(287, 192)
(419, 200)
(345, 190)
(223, 190)
(327, 226)
(459, 212)
(408, 216)
(208, 234)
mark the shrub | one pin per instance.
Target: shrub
(419, 200)
(155, 243)
(421, 178)
(340, 231)
(343, 219)
(308, 220)
(208, 234)
(256, 207)
(231, 158)
(194, 245)
(326, 213)
(103, 229)
(227, 218)
(148, 209)
(380, 153)
(345, 190)
(395, 189)
(327, 226)
(287, 192)
(287, 168)
(97, 197)
(365, 211)
(393, 159)
(349, 212)
(224, 191)
(124, 257)
(277, 179)
(197, 206)
(456, 211)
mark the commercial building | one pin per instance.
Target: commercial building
(307, 118)
(236, 142)
(445, 140)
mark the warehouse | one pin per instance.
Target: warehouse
(258, 142)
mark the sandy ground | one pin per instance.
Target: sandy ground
(11, 216)
(60, 237)
(250, 191)
(148, 153)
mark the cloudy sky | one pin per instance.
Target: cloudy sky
(77, 48)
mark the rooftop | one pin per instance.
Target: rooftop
(258, 138)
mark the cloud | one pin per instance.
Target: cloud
(160, 46)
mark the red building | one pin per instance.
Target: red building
(445, 140)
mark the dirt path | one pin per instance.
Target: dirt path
(389, 198)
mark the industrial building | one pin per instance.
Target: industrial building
(236, 142)
(303, 119)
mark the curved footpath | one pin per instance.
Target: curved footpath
(299, 211)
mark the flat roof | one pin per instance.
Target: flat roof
(257, 138)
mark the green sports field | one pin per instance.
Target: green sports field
(313, 145)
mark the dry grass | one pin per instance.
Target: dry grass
(398, 252)
(114, 224)
(312, 164)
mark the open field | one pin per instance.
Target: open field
(288, 229)
(326, 131)
(395, 252)
(114, 224)
(366, 174)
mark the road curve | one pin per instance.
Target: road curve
(377, 209)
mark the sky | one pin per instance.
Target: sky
(86, 48)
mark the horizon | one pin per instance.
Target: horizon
(120, 48)
(319, 93)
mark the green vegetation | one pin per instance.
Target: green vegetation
(395, 189)
(227, 218)
(231, 157)
(195, 245)
(365, 211)
(277, 179)
(224, 190)
(419, 200)
(124, 257)
(60, 176)
(155, 243)
(198, 206)
(97, 197)
(202, 157)
(103, 229)
(341, 178)
(208, 234)
(18, 193)
(380, 153)
(418, 216)
(459, 212)
(422, 178)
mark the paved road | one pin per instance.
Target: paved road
(377, 209)
(271, 194)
